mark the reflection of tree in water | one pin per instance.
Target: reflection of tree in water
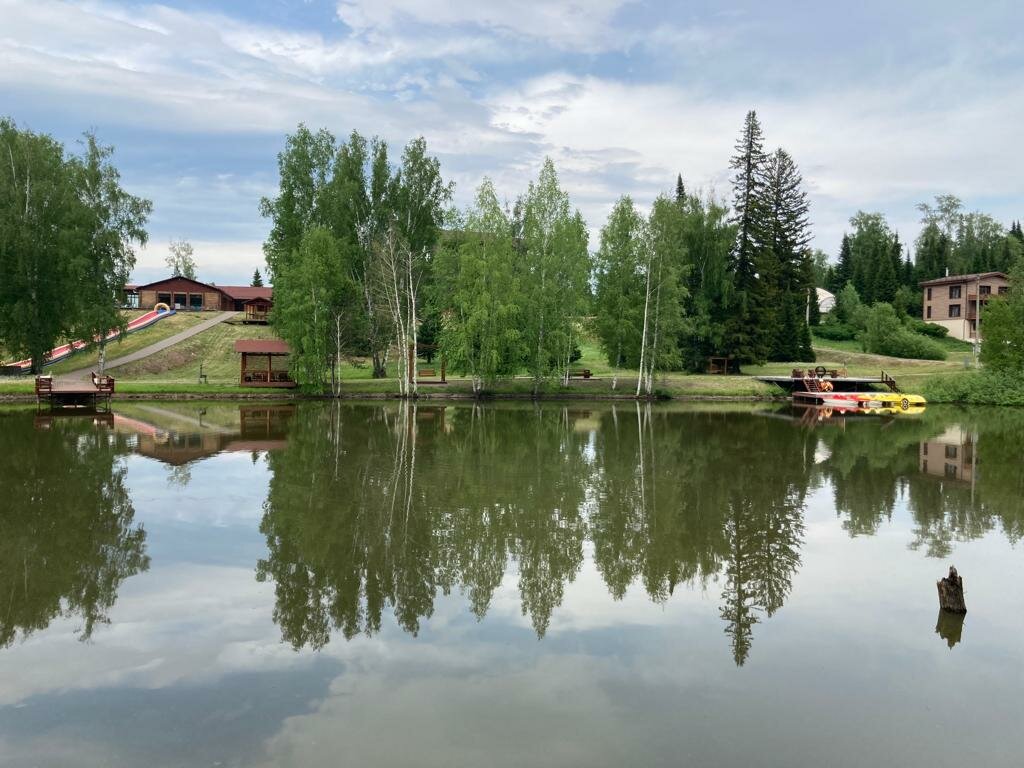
(377, 508)
(67, 538)
(374, 508)
(871, 466)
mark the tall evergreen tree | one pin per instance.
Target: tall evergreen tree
(843, 272)
(748, 329)
(680, 190)
(789, 268)
(257, 280)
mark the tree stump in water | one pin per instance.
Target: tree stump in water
(951, 592)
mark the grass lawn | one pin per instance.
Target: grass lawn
(954, 348)
(159, 331)
(214, 349)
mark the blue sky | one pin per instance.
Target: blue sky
(882, 104)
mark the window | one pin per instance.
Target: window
(954, 291)
(163, 298)
(954, 310)
(951, 451)
(929, 294)
(924, 448)
(929, 313)
(951, 470)
(985, 290)
(1003, 289)
(195, 301)
(179, 301)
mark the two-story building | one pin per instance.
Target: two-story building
(955, 301)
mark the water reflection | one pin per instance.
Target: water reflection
(67, 533)
(374, 509)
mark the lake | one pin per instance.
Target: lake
(508, 584)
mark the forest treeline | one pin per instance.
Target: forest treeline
(369, 259)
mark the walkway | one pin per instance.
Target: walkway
(152, 349)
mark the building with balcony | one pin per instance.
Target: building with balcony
(955, 301)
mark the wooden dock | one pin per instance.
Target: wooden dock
(92, 393)
(822, 380)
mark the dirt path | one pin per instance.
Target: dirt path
(152, 349)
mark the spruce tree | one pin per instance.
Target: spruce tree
(843, 272)
(680, 190)
(257, 280)
(788, 270)
(749, 326)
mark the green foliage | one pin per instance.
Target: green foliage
(67, 230)
(619, 294)
(257, 280)
(926, 329)
(836, 331)
(884, 334)
(553, 269)
(181, 260)
(479, 295)
(707, 238)
(1002, 324)
(316, 309)
(985, 387)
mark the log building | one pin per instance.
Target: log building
(181, 293)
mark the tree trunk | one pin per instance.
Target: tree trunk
(951, 592)
(102, 363)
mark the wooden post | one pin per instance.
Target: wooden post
(951, 592)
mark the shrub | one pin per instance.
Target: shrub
(836, 331)
(975, 388)
(884, 334)
(926, 329)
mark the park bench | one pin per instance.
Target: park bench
(44, 385)
(580, 373)
(103, 383)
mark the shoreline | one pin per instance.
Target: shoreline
(20, 398)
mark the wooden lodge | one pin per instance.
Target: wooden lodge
(181, 293)
(264, 363)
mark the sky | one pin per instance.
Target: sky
(882, 104)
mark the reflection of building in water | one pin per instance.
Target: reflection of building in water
(261, 428)
(950, 455)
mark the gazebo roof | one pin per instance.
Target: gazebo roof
(262, 347)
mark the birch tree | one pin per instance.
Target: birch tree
(620, 286)
(554, 267)
(479, 296)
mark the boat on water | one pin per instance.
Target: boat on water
(866, 402)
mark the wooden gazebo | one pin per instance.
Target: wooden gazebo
(264, 363)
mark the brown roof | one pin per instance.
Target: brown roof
(263, 347)
(963, 278)
(237, 292)
(246, 292)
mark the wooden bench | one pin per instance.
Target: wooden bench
(44, 385)
(103, 383)
(426, 372)
(582, 373)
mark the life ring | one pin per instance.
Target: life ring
(826, 386)
(820, 371)
(161, 307)
(905, 404)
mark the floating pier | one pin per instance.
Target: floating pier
(92, 393)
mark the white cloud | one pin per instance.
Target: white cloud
(581, 25)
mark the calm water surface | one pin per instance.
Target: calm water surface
(508, 585)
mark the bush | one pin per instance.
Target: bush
(884, 334)
(926, 329)
(836, 331)
(975, 388)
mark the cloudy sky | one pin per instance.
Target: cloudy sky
(882, 104)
